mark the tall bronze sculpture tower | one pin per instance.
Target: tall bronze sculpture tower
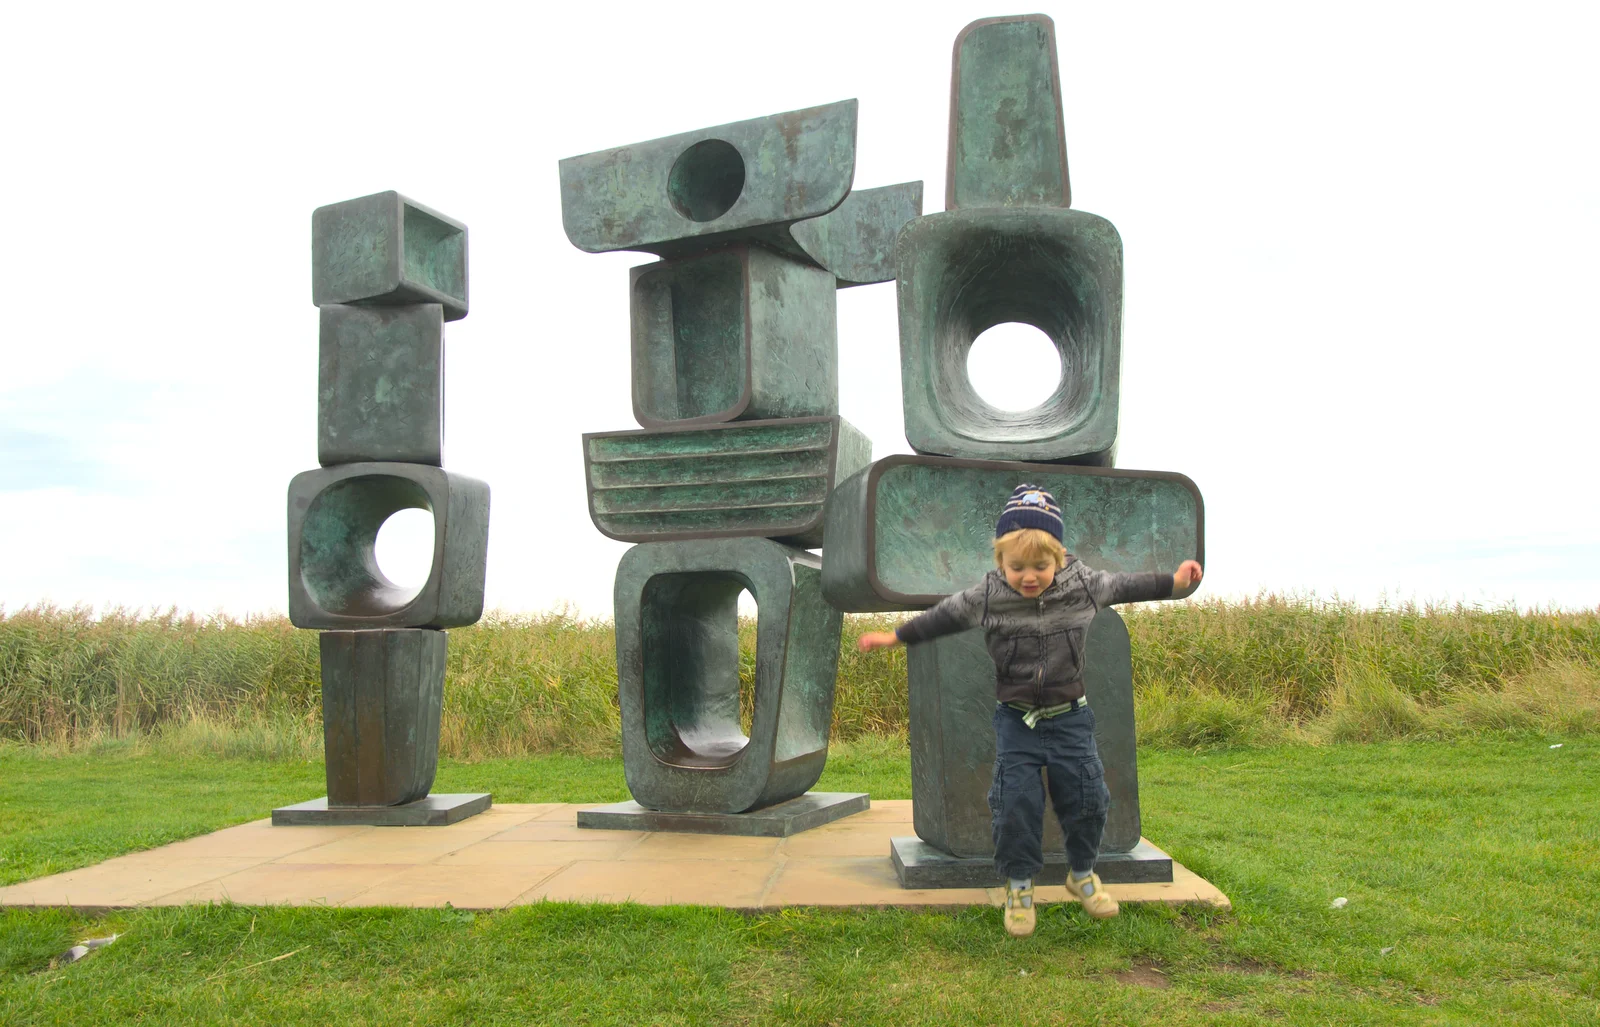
(387, 273)
(909, 530)
(735, 384)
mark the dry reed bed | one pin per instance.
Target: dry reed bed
(1206, 673)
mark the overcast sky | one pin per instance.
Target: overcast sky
(1360, 250)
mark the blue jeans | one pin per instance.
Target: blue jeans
(1064, 747)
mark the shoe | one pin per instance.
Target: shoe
(1020, 916)
(1098, 903)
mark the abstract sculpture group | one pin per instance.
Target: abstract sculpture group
(387, 274)
(743, 463)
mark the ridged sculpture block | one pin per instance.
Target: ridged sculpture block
(382, 693)
(746, 478)
(741, 333)
(743, 181)
(951, 689)
(910, 530)
(386, 249)
(380, 385)
(683, 748)
(334, 517)
(963, 272)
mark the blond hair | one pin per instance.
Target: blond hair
(1029, 544)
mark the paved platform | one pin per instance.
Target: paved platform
(516, 854)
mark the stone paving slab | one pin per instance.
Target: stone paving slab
(521, 853)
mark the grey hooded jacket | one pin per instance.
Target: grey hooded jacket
(1036, 644)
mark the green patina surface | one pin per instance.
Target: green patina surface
(739, 333)
(855, 241)
(658, 195)
(962, 272)
(951, 690)
(770, 479)
(910, 530)
(678, 674)
(340, 527)
(690, 319)
(385, 249)
(934, 523)
(1007, 144)
(435, 252)
(382, 696)
(380, 384)
(334, 517)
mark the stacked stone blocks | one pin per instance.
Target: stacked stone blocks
(907, 531)
(387, 273)
(735, 384)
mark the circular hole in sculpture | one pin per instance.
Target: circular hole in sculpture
(1014, 366)
(706, 180)
(403, 549)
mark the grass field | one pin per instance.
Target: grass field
(1470, 868)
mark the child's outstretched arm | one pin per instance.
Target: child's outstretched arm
(953, 613)
(1109, 589)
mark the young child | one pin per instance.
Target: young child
(1035, 608)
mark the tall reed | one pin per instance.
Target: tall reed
(1205, 673)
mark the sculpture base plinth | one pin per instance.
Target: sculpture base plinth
(920, 865)
(813, 809)
(430, 811)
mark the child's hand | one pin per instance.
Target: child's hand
(1187, 576)
(871, 640)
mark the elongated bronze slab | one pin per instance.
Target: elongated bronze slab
(855, 241)
(1007, 141)
(920, 865)
(746, 478)
(909, 530)
(950, 684)
(382, 693)
(749, 179)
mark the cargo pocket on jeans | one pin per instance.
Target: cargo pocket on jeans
(1096, 799)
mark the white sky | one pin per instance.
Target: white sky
(1360, 269)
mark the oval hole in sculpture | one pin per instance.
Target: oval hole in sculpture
(747, 659)
(1014, 366)
(404, 549)
(706, 180)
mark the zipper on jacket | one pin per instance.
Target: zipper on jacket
(1038, 675)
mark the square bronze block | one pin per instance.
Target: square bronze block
(386, 249)
(741, 333)
(745, 180)
(380, 385)
(382, 694)
(951, 686)
(910, 530)
(769, 479)
(683, 748)
(334, 517)
(963, 272)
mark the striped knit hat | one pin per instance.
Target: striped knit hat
(1030, 507)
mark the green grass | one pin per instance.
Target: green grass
(1206, 674)
(1476, 863)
